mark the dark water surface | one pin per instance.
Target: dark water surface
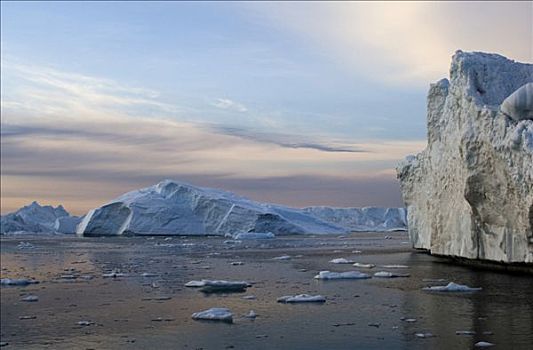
(127, 311)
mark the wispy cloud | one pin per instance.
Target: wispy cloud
(226, 103)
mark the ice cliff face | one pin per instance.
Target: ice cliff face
(177, 208)
(363, 219)
(470, 192)
(37, 218)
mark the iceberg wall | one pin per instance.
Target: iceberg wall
(470, 192)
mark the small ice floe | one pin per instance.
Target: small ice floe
(341, 261)
(395, 266)
(27, 317)
(251, 315)
(30, 298)
(483, 344)
(302, 298)
(25, 245)
(84, 323)
(282, 257)
(249, 297)
(364, 266)
(232, 241)
(219, 286)
(214, 314)
(451, 287)
(17, 281)
(424, 335)
(408, 320)
(465, 333)
(113, 274)
(68, 277)
(195, 284)
(149, 274)
(357, 251)
(327, 275)
(252, 235)
(387, 274)
(236, 263)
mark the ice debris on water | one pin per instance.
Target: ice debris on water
(149, 274)
(30, 298)
(195, 284)
(251, 235)
(327, 275)
(302, 298)
(465, 332)
(220, 286)
(424, 335)
(113, 274)
(84, 323)
(395, 266)
(17, 281)
(214, 314)
(341, 261)
(251, 314)
(451, 287)
(363, 265)
(387, 274)
(483, 344)
(25, 245)
(282, 257)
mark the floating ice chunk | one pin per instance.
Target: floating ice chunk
(251, 314)
(17, 281)
(68, 277)
(302, 298)
(231, 241)
(195, 284)
(451, 287)
(84, 323)
(365, 266)
(253, 235)
(483, 344)
(465, 333)
(341, 261)
(30, 298)
(387, 274)
(327, 275)
(424, 335)
(149, 274)
(249, 297)
(283, 257)
(113, 274)
(395, 266)
(219, 286)
(214, 314)
(236, 263)
(25, 245)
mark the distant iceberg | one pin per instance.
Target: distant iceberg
(39, 219)
(175, 208)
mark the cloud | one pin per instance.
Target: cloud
(226, 103)
(399, 42)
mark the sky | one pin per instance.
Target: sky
(298, 103)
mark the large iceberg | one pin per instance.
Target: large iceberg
(172, 207)
(469, 194)
(37, 218)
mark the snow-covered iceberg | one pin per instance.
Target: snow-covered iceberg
(172, 207)
(37, 218)
(469, 194)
